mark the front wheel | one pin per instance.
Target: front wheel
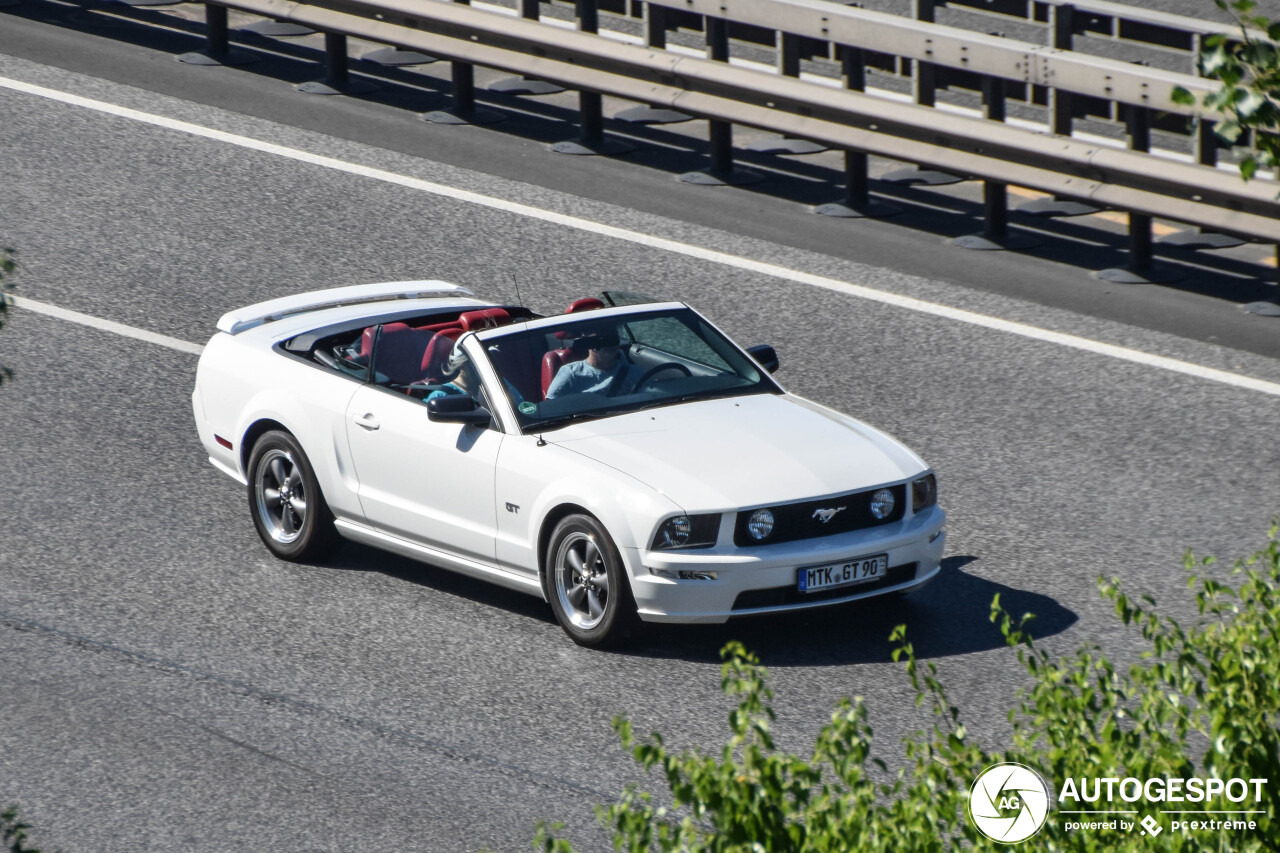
(288, 510)
(587, 584)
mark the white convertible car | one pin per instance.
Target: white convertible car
(622, 460)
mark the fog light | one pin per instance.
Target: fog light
(760, 524)
(686, 575)
(882, 504)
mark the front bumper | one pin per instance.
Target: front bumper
(759, 580)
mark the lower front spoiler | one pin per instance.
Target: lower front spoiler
(921, 578)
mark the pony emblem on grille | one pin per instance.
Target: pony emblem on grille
(825, 515)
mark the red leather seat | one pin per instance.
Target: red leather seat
(400, 353)
(589, 303)
(437, 352)
(556, 359)
(366, 339)
(487, 318)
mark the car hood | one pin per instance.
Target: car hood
(743, 451)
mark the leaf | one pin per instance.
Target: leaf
(1228, 131)
(1182, 96)
(1249, 103)
(1212, 61)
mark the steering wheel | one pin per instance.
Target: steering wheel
(654, 371)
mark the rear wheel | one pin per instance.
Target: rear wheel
(288, 510)
(587, 584)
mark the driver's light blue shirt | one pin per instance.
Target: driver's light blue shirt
(578, 377)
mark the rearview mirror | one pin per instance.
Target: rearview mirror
(766, 355)
(458, 409)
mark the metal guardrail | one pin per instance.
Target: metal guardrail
(1000, 154)
(963, 50)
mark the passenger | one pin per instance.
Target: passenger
(461, 376)
(463, 379)
(603, 371)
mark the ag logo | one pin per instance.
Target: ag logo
(1008, 803)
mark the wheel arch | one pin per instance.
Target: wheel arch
(549, 521)
(256, 430)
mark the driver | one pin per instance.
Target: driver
(603, 371)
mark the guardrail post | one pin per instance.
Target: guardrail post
(1141, 268)
(463, 110)
(1206, 152)
(337, 79)
(995, 194)
(924, 86)
(591, 104)
(1062, 114)
(788, 53)
(857, 201)
(530, 10)
(720, 133)
(217, 46)
(655, 34)
(924, 82)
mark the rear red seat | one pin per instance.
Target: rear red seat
(437, 353)
(400, 352)
(487, 318)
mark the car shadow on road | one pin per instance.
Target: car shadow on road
(362, 558)
(950, 616)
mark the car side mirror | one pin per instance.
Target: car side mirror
(766, 355)
(458, 409)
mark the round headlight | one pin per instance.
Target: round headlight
(675, 531)
(760, 524)
(882, 504)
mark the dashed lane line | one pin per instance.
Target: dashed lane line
(107, 325)
(636, 237)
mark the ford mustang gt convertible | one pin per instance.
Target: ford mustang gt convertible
(623, 460)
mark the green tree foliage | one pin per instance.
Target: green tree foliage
(1249, 67)
(1202, 701)
(8, 264)
(14, 832)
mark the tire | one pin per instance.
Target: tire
(296, 525)
(587, 586)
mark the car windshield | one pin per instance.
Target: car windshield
(585, 368)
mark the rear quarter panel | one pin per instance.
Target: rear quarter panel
(241, 381)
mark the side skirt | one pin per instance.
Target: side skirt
(366, 535)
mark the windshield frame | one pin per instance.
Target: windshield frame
(527, 424)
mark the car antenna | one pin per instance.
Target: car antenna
(542, 442)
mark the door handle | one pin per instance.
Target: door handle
(367, 421)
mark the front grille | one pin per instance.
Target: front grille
(780, 596)
(801, 521)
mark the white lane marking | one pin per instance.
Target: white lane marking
(772, 270)
(107, 325)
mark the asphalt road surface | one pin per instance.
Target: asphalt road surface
(173, 687)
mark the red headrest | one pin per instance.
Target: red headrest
(589, 303)
(437, 352)
(485, 319)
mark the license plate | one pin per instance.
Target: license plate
(847, 573)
